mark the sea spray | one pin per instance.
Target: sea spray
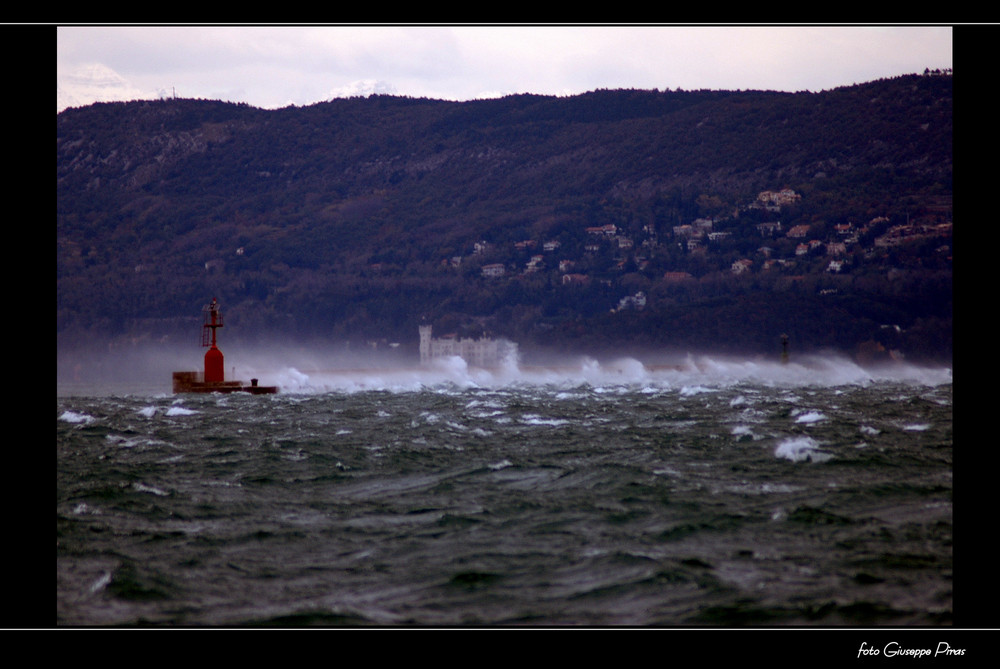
(695, 373)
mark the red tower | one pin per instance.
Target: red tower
(214, 372)
(214, 379)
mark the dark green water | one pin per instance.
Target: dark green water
(728, 495)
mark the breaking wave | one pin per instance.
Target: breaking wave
(691, 375)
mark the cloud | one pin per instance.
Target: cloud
(87, 83)
(362, 89)
(274, 66)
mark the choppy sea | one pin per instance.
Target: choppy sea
(717, 493)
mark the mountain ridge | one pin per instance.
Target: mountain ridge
(358, 218)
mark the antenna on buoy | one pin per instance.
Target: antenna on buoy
(784, 348)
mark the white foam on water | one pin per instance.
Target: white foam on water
(141, 487)
(74, 417)
(101, 582)
(539, 420)
(744, 432)
(810, 417)
(801, 449)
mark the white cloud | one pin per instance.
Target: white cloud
(274, 66)
(87, 83)
(363, 89)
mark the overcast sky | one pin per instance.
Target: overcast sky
(277, 66)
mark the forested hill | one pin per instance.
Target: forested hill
(713, 220)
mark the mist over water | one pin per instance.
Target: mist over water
(709, 371)
(696, 490)
(301, 369)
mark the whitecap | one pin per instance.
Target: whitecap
(918, 427)
(141, 487)
(801, 449)
(532, 419)
(180, 411)
(810, 417)
(750, 488)
(74, 417)
(743, 433)
(425, 417)
(99, 584)
(119, 440)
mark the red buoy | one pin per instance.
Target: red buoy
(214, 364)
(213, 380)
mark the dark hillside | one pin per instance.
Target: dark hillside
(356, 219)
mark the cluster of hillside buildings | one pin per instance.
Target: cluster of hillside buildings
(846, 236)
(693, 237)
(696, 236)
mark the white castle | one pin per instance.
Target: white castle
(482, 352)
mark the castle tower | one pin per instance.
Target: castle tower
(425, 344)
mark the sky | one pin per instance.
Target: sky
(277, 66)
